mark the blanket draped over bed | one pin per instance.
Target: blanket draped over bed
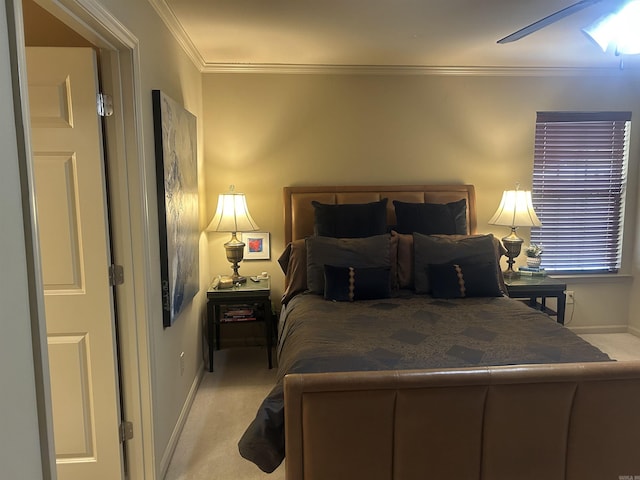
(407, 331)
(386, 304)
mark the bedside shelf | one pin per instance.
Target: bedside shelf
(532, 288)
(254, 294)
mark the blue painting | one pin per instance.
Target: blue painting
(177, 182)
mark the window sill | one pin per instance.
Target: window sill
(595, 278)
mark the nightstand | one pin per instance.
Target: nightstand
(256, 295)
(534, 288)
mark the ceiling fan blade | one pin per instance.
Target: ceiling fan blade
(554, 17)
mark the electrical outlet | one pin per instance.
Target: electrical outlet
(181, 363)
(570, 297)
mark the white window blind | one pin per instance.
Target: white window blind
(579, 182)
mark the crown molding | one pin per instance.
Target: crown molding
(175, 27)
(415, 70)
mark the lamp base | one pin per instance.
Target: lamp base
(238, 279)
(235, 253)
(513, 244)
(510, 274)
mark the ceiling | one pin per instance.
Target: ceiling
(402, 34)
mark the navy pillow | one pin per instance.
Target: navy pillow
(350, 220)
(431, 218)
(456, 280)
(347, 284)
(344, 252)
(460, 249)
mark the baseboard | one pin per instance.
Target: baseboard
(600, 329)
(182, 418)
(634, 331)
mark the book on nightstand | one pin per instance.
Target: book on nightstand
(239, 313)
(532, 271)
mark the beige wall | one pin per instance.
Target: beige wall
(263, 132)
(41, 29)
(164, 65)
(161, 64)
(19, 432)
(634, 304)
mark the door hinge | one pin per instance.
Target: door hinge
(126, 431)
(116, 275)
(105, 105)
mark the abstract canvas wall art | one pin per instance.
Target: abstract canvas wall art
(177, 186)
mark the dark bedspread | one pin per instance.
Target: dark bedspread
(407, 332)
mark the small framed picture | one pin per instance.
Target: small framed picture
(256, 246)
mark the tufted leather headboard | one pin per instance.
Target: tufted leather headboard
(299, 214)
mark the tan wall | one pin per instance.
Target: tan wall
(41, 29)
(263, 132)
(163, 65)
(19, 435)
(634, 304)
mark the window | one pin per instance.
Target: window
(579, 182)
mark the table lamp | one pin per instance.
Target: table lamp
(232, 215)
(515, 210)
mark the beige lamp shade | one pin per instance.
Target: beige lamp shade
(232, 215)
(516, 210)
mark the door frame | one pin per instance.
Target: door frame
(119, 60)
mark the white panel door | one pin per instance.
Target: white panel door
(74, 239)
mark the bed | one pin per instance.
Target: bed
(392, 367)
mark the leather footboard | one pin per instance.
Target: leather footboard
(561, 421)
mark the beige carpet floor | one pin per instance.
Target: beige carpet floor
(620, 346)
(228, 398)
(225, 404)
